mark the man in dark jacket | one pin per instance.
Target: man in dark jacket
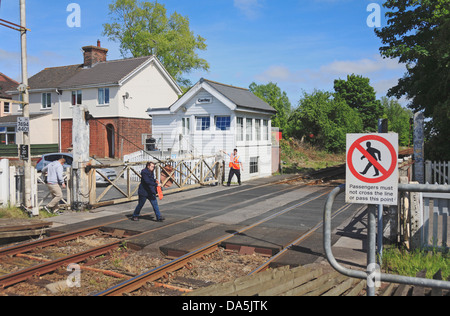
(147, 191)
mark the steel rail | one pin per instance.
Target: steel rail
(305, 236)
(25, 247)
(382, 277)
(155, 274)
(51, 266)
(25, 274)
(47, 267)
(17, 249)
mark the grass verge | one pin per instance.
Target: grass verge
(17, 213)
(409, 263)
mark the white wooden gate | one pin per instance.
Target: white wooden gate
(437, 172)
(435, 227)
(174, 175)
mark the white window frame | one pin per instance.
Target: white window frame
(258, 131)
(254, 164)
(46, 100)
(8, 134)
(266, 130)
(240, 129)
(228, 128)
(101, 99)
(199, 128)
(186, 125)
(249, 130)
(6, 105)
(75, 94)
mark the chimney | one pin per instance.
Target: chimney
(94, 54)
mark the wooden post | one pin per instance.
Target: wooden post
(419, 153)
(92, 187)
(12, 186)
(80, 140)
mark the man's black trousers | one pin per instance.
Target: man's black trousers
(233, 172)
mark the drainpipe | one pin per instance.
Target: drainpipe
(59, 93)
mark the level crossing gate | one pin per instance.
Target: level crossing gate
(372, 274)
(174, 176)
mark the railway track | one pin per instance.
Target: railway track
(135, 282)
(159, 272)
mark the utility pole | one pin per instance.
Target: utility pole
(26, 104)
(80, 140)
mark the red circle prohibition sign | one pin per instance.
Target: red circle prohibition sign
(385, 174)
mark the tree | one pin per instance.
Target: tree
(418, 34)
(279, 100)
(398, 120)
(143, 28)
(357, 92)
(324, 121)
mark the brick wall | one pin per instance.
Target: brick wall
(127, 129)
(66, 135)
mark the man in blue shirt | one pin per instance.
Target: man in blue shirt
(147, 191)
(55, 179)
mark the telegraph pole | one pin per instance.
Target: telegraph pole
(26, 102)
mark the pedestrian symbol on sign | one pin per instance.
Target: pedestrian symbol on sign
(371, 152)
(372, 169)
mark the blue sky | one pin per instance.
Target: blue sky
(301, 45)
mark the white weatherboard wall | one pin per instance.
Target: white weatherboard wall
(170, 134)
(4, 182)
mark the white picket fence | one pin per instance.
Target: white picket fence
(11, 186)
(4, 182)
(437, 172)
(435, 226)
(433, 222)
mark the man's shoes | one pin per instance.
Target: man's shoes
(135, 219)
(161, 219)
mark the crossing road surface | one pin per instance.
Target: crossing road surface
(271, 214)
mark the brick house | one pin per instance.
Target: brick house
(117, 93)
(6, 84)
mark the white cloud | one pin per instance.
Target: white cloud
(250, 8)
(362, 67)
(383, 74)
(279, 73)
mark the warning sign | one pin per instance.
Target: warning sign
(372, 169)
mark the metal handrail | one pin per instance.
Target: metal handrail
(382, 277)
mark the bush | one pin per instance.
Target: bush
(324, 121)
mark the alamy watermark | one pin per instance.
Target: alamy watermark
(74, 18)
(374, 275)
(374, 18)
(74, 279)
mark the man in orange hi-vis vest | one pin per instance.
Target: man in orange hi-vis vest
(235, 166)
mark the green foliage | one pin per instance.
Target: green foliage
(357, 92)
(324, 121)
(279, 100)
(399, 120)
(301, 157)
(143, 28)
(403, 262)
(418, 34)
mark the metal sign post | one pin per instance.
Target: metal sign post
(372, 178)
(370, 274)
